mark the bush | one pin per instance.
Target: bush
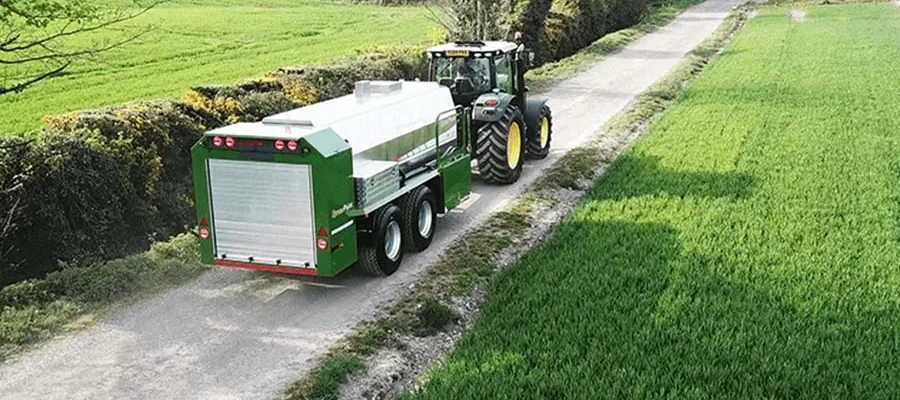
(83, 198)
(102, 184)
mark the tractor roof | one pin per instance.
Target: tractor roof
(476, 46)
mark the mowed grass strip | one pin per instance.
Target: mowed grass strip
(747, 247)
(207, 42)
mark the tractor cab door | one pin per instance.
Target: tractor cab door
(505, 73)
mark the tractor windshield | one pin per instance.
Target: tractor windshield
(464, 75)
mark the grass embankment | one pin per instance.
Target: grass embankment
(747, 246)
(34, 310)
(210, 42)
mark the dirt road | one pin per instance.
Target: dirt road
(233, 334)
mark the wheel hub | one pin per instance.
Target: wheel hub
(513, 146)
(392, 240)
(545, 132)
(425, 219)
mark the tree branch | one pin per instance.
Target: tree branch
(64, 31)
(22, 85)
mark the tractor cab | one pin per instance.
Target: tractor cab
(471, 69)
(488, 78)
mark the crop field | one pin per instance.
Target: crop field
(213, 42)
(748, 246)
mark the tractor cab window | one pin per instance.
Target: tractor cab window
(464, 75)
(504, 73)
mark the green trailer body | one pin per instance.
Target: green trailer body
(316, 190)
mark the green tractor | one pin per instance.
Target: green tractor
(507, 127)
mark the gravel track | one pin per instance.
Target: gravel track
(234, 334)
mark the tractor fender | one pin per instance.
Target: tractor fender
(485, 113)
(532, 114)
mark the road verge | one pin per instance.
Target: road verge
(387, 355)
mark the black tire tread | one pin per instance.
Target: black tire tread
(368, 254)
(409, 214)
(490, 150)
(533, 148)
(368, 261)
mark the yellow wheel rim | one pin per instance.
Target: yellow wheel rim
(545, 132)
(513, 146)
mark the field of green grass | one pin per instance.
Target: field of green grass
(213, 42)
(748, 246)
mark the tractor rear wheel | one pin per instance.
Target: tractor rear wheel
(383, 255)
(539, 145)
(500, 148)
(419, 209)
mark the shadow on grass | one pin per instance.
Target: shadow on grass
(615, 309)
(567, 303)
(636, 176)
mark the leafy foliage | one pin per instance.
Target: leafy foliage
(34, 33)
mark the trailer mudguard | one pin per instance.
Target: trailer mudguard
(532, 115)
(482, 112)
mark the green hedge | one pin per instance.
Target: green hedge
(556, 29)
(104, 184)
(99, 185)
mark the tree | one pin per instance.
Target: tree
(36, 36)
(472, 19)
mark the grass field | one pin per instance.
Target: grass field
(747, 247)
(214, 42)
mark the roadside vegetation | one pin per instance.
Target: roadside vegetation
(472, 263)
(36, 309)
(210, 42)
(745, 247)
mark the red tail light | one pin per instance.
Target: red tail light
(229, 142)
(490, 103)
(217, 141)
(204, 234)
(292, 145)
(279, 145)
(322, 244)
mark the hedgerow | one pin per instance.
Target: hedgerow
(103, 184)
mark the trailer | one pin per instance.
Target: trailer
(356, 179)
(360, 179)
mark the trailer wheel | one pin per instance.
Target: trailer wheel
(500, 148)
(383, 256)
(539, 145)
(419, 209)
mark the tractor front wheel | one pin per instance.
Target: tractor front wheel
(383, 255)
(500, 148)
(539, 145)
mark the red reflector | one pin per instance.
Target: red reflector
(490, 103)
(322, 231)
(203, 222)
(229, 142)
(279, 145)
(217, 141)
(204, 234)
(322, 244)
(292, 145)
